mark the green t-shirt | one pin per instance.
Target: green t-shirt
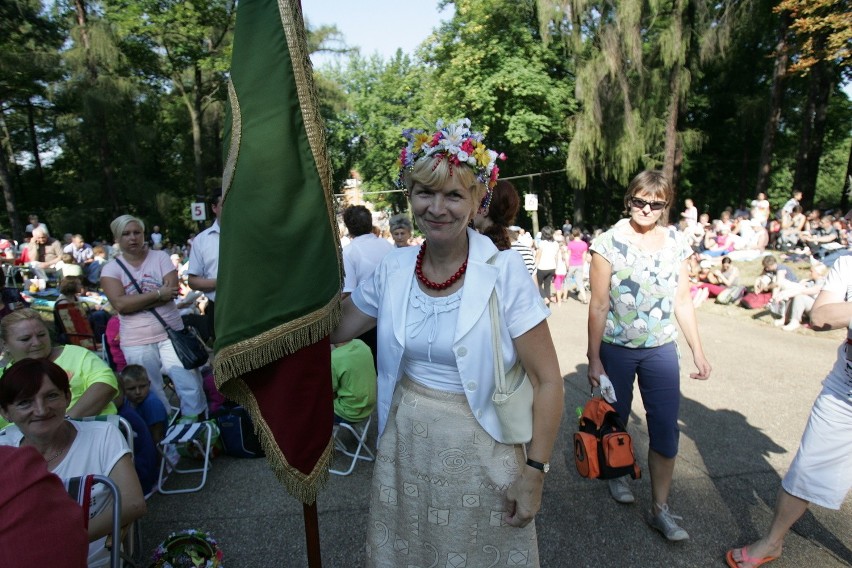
(84, 369)
(353, 379)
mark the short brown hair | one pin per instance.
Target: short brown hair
(23, 380)
(653, 182)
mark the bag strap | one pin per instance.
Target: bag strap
(139, 289)
(499, 368)
(500, 386)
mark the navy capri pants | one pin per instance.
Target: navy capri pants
(658, 371)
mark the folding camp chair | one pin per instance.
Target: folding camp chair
(76, 326)
(117, 421)
(195, 436)
(359, 432)
(133, 540)
(80, 489)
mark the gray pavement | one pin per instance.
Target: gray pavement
(740, 430)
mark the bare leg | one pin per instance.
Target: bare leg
(788, 510)
(662, 470)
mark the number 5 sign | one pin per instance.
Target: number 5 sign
(199, 211)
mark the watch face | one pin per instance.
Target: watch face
(546, 467)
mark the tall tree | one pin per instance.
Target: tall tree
(776, 96)
(93, 41)
(823, 32)
(29, 41)
(635, 63)
(191, 45)
(491, 65)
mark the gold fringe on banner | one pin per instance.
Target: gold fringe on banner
(255, 352)
(301, 486)
(236, 135)
(297, 42)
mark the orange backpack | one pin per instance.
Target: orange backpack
(602, 447)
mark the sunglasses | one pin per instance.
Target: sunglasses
(641, 203)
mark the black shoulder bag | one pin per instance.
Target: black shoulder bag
(189, 348)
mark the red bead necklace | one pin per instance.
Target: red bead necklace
(418, 270)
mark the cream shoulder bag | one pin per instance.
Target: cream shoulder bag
(513, 391)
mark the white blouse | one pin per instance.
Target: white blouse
(429, 357)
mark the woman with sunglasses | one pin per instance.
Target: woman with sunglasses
(640, 280)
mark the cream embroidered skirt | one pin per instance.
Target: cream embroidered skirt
(438, 488)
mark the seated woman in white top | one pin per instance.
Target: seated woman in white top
(34, 396)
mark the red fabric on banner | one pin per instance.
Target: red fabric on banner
(294, 396)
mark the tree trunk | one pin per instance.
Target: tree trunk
(99, 118)
(674, 106)
(34, 141)
(823, 79)
(197, 114)
(579, 206)
(9, 196)
(776, 97)
(672, 114)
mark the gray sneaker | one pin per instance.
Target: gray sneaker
(620, 490)
(664, 521)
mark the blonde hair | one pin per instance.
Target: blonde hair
(435, 171)
(18, 316)
(120, 223)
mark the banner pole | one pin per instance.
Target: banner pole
(312, 535)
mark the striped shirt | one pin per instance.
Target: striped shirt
(527, 254)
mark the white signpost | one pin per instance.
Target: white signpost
(199, 211)
(531, 205)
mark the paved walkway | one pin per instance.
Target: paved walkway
(740, 431)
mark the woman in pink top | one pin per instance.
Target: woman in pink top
(144, 340)
(578, 251)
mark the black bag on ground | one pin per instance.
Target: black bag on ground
(188, 346)
(236, 432)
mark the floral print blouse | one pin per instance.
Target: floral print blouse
(642, 288)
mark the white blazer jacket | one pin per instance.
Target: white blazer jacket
(385, 296)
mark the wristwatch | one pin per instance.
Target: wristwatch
(543, 467)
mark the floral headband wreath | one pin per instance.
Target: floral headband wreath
(456, 143)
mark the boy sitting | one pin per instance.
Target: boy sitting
(145, 457)
(353, 379)
(137, 389)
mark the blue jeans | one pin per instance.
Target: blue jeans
(159, 359)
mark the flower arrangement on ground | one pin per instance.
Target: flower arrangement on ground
(188, 549)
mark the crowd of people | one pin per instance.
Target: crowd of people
(469, 269)
(51, 382)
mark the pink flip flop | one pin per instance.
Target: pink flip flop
(746, 559)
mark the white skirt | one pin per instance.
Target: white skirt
(439, 486)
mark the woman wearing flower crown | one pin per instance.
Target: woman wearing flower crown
(444, 484)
